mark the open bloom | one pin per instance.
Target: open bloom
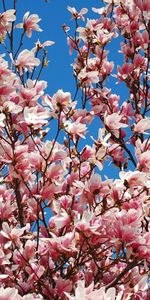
(6, 19)
(30, 23)
(8, 16)
(9, 294)
(39, 45)
(144, 161)
(82, 293)
(12, 234)
(143, 5)
(33, 116)
(142, 126)
(26, 60)
(77, 15)
(88, 77)
(113, 121)
(61, 100)
(125, 71)
(134, 179)
(76, 128)
(12, 294)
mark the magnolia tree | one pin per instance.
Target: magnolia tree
(65, 233)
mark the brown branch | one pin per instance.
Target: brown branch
(19, 205)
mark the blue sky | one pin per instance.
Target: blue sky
(58, 74)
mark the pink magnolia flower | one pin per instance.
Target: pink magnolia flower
(86, 117)
(6, 19)
(9, 294)
(39, 85)
(97, 157)
(29, 250)
(145, 40)
(5, 90)
(102, 138)
(88, 152)
(27, 96)
(144, 161)
(58, 245)
(127, 225)
(60, 220)
(61, 100)
(68, 242)
(143, 5)
(138, 60)
(27, 61)
(88, 77)
(126, 110)
(4, 260)
(8, 16)
(30, 23)
(141, 40)
(6, 207)
(72, 44)
(76, 129)
(31, 297)
(142, 126)
(85, 32)
(39, 45)
(125, 71)
(77, 15)
(117, 153)
(142, 282)
(113, 121)
(103, 36)
(63, 286)
(12, 294)
(5, 153)
(93, 185)
(142, 245)
(83, 293)
(34, 271)
(2, 118)
(55, 172)
(34, 116)
(12, 234)
(134, 179)
(107, 68)
(98, 10)
(49, 189)
(86, 224)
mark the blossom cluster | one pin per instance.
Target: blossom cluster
(65, 232)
